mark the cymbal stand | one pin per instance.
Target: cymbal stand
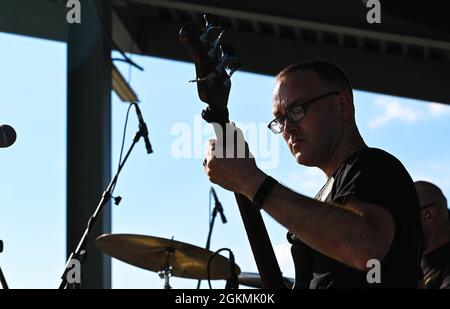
(166, 272)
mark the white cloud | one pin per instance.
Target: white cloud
(438, 109)
(394, 109)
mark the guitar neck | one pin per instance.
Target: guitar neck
(262, 249)
(258, 237)
(213, 85)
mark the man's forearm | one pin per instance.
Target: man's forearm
(341, 232)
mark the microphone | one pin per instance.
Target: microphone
(143, 128)
(218, 207)
(7, 136)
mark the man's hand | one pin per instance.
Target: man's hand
(240, 175)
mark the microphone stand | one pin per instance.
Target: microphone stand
(3, 283)
(211, 226)
(80, 251)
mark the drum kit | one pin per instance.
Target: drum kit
(169, 257)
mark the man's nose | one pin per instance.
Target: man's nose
(290, 127)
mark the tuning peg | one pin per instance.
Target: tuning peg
(209, 79)
(209, 27)
(227, 50)
(213, 51)
(234, 66)
(229, 60)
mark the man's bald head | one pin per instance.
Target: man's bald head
(431, 195)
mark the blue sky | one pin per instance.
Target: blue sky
(164, 194)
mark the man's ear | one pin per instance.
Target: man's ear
(346, 108)
(430, 215)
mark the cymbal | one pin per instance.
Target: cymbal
(254, 280)
(155, 254)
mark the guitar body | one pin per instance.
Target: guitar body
(211, 60)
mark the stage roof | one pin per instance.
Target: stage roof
(407, 54)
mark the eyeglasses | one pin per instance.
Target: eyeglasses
(294, 113)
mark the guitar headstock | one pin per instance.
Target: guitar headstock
(215, 63)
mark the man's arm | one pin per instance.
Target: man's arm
(352, 233)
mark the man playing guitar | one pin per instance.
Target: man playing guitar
(367, 211)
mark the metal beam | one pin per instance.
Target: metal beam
(45, 19)
(122, 37)
(89, 134)
(298, 23)
(418, 78)
(370, 71)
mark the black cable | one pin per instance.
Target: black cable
(123, 140)
(124, 132)
(127, 60)
(210, 212)
(208, 268)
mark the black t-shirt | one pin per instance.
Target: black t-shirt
(373, 176)
(436, 268)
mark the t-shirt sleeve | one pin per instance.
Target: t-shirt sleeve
(378, 178)
(372, 179)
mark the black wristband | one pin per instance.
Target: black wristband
(264, 191)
